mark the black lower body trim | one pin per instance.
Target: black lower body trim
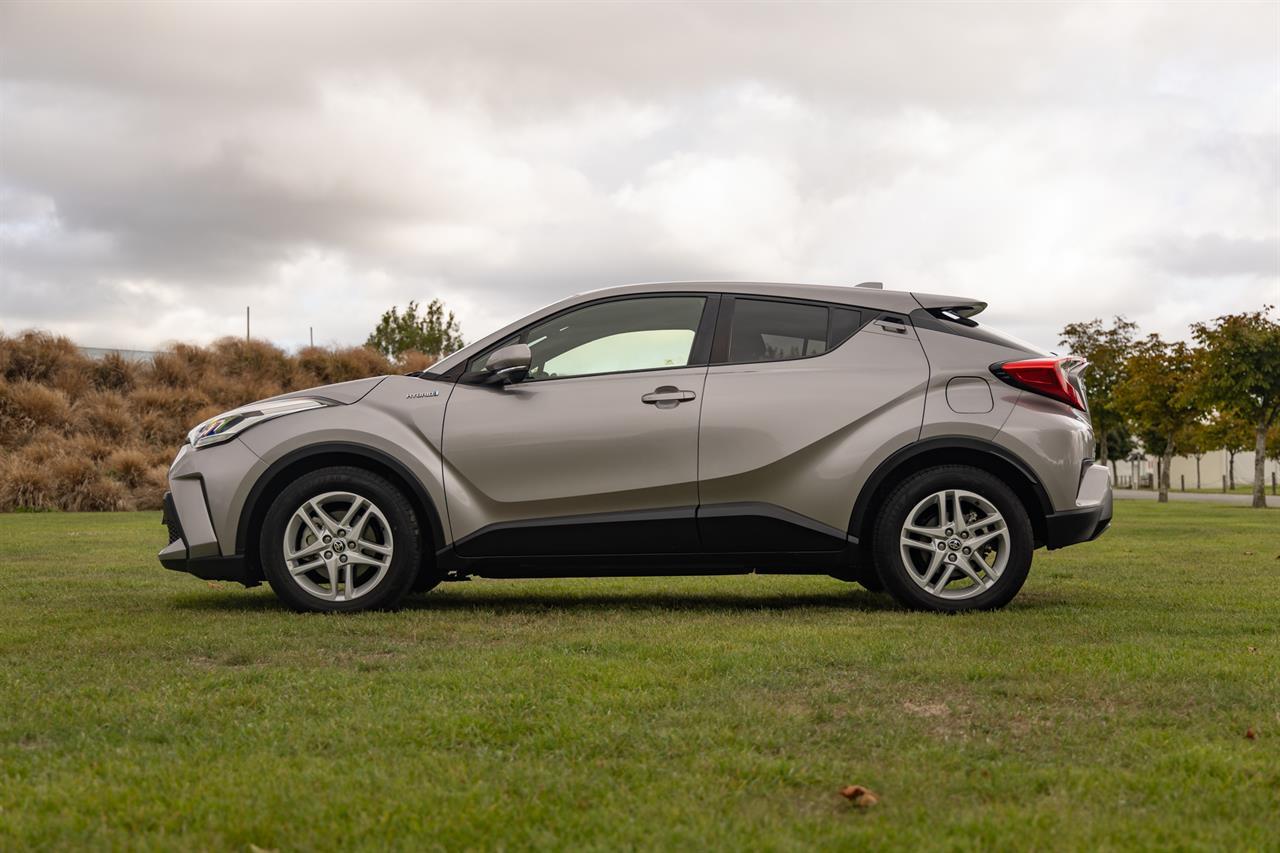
(732, 528)
(1077, 525)
(649, 565)
(233, 568)
(754, 527)
(646, 531)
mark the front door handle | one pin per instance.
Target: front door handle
(667, 397)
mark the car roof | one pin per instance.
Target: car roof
(863, 297)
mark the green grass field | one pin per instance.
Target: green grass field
(1107, 707)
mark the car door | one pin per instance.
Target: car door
(801, 401)
(596, 451)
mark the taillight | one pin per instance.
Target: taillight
(1053, 377)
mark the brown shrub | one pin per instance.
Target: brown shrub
(72, 383)
(149, 493)
(26, 407)
(128, 466)
(9, 435)
(40, 357)
(44, 447)
(95, 493)
(104, 414)
(163, 429)
(177, 401)
(161, 455)
(114, 372)
(90, 447)
(82, 486)
(324, 366)
(412, 361)
(26, 485)
(257, 360)
(229, 392)
(182, 367)
(84, 434)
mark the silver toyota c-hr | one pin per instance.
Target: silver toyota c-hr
(878, 436)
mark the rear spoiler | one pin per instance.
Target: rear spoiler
(950, 307)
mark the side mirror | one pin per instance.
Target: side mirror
(507, 365)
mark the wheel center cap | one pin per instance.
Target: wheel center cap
(954, 544)
(339, 546)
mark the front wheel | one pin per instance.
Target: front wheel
(340, 539)
(953, 538)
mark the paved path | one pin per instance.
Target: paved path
(1195, 497)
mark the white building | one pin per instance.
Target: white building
(1213, 467)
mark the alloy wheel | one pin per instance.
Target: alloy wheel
(338, 546)
(955, 544)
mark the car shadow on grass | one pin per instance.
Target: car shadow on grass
(624, 601)
(535, 602)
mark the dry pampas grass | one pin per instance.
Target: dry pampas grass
(78, 433)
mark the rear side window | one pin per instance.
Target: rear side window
(769, 330)
(844, 322)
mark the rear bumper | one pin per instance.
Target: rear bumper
(1078, 525)
(211, 567)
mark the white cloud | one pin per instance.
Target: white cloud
(162, 167)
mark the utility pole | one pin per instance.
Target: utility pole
(311, 330)
(246, 322)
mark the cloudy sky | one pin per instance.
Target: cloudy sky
(162, 165)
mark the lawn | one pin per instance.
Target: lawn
(1106, 707)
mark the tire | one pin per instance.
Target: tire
(375, 560)
(932, 565)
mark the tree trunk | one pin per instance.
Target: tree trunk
(1231, 470)
(1197, 472)
(1114, 471)
(1166, 461)
(1103, 454)
(1259, 459)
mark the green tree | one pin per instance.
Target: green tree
(1106, 350)
(1154, 396)
(1232, 433)
(430, 331)
(1273, 445)
(1238, 370)
(1196, 442)
(1120, 444)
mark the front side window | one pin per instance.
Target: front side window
(644, 333)
(769, 330)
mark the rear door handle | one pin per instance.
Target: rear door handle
(891, 325)
(667, 397)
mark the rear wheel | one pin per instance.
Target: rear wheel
(953, 538)
(340, 539)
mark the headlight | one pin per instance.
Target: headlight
(230, 424)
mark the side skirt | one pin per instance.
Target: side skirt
(720, 539)
(649, 565)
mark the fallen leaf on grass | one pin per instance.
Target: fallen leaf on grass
(1253, 650)
(1250, 734)
(1248, 553)
(859, 796)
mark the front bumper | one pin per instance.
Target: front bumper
(1087, 522)
(177, 555)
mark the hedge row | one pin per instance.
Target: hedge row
(98, 434)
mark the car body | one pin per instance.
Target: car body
(655, 429)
